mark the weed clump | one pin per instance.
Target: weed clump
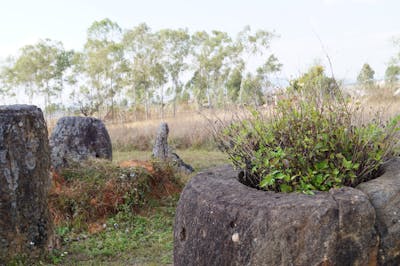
(92, 191)
(308, 141)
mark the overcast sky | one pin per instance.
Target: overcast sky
(352, 32)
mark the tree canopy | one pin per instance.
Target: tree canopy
(138, 68)
(366, 76)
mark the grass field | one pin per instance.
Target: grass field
(199, 159)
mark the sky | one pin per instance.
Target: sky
(349, 32)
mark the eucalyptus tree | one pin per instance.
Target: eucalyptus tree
(253, 85)
(234, 83)
(158, 73)
(252, 90)
(137, 46)
(7, 77)
(210, 58)
(392, 74)
(366, 76)
(196, 85)
(39, 69)
(84, 95)
(103, 62)
(146, 71)
(250, 44)
(271, 65)
(177, 46)
(159, 77)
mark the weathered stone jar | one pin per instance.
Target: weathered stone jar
(76, 138)
(25, 223)
(220, 221)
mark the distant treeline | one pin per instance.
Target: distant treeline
(135, 69)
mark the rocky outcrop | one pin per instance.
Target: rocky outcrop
(74, 139)
(384, 194)
(163, 152)
(25, 224)
(220, 221)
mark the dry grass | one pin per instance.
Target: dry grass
(379, 102)
(199, 159)
(187, 130)
(192, 130)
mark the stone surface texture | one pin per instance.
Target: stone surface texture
(220, 221)
(384, 194)
(163, 152)
(74, 139)
(25, 224)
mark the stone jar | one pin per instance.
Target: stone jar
(220, 221)
(25, 223)
(75, 138)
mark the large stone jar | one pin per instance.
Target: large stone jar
(25, 223)
(220, 221)
(75, 138)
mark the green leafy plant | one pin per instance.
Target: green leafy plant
(308, 141)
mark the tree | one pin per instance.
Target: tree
(7, 77)
(234, 82)
(158, 76)
(270, 66)
(210, 57)
(252, 90)
(83, 95)
(176, 48)
(103, 62)
(249, 44)
(392, 74)
(315, 80)
(40, 69)
(145, 54)
(366, 76)
(253, 86)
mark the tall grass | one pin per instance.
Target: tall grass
(187, 131)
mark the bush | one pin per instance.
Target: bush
(308, 143)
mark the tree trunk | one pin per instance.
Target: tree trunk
(162, 103)
(112, 100)
(209, 98)
(241, 93)
(147, 106)
(174, 106)
(135, 103)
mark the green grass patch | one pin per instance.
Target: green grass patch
(128, 239)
